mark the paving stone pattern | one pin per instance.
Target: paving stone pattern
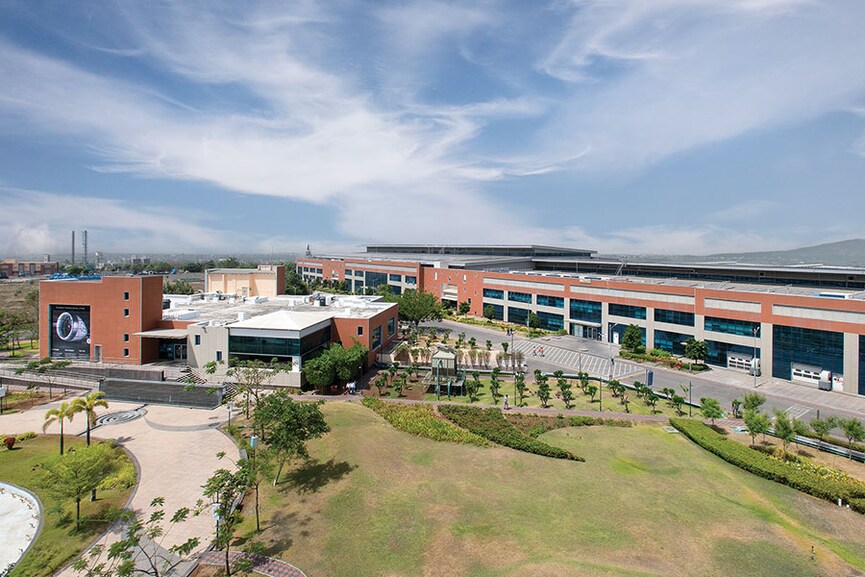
(260, 563)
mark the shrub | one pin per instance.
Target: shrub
(27, 436)
(491, 424)
(9, 442)
(536, 425)
(660, 353)
(420, 420)
(807, 477)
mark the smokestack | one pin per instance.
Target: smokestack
(73, 247)
(85, 248)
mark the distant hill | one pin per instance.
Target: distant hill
(842, 253)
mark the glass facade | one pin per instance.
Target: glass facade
(862, 364)
(674, 317)
(824, 349)
(619, 329)
(268, 347)
(498, 311)
(375, 279)
(494, 294)
(410, 279)
(627, 311)
(718, 352)
(588, 311)
(394, 290)
(731, 326)
(358, 286)
(518, 316)
(548, 301)
(519, 297)
(348, 272)
(391, 326)
(376, 338)
(550, 321)
(670, 341)
(395, 277)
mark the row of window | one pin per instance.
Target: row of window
(629, 311)
(674, 317)
(519, 297)
(732, 326)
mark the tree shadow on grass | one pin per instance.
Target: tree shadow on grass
(314, 474)
(719, 429)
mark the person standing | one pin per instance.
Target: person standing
(506, 403)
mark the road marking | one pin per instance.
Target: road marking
(798, 411)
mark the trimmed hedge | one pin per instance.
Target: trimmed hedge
(536, 425)
(806, 479)
(420, 420)
(491, 424)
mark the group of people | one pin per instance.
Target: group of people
(538, 351)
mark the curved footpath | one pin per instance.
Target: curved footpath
(174, 462)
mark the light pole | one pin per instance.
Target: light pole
(253, 443)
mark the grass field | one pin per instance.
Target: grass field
(59, 541)
(378, 502)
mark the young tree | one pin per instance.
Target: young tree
(464, 308)
(534, 321)
(697, 350)
(584, 381)
(669, 392)
(46, 368)
(543, 391)
(753, 401)
(77, 473)
(632, 339)
(853, 430)
(66, 411)
(472, 386)
(380, 383)
(566, 392)
(757, 423)
(495, 384)
(253, 375)
(784, 429)
(711, 409)
(489, 345)
(592, 390)
(520, 386)
(678, 402)
(287, 426)
(224, 488)
(143, 539)
(800, 429)
(505, 347)
(489, 312)
(652, 400)
(822, 427)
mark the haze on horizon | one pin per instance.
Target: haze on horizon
(681, 126)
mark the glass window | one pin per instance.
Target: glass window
(375, 279)
(376, 338)
(358, 286)
(395, 278)
(731, 326)
(627, 311)
(218, 356)
(494, 294)
(548, 301)
(588, 311)
(862, 364)
(126, 296)
(197, 339)
(674, 317)
(670, 341)
(391, 326)
(518, 316)
(395, 290)
(519, 297)
(348, 272)
(126, 312)
(718, 352)
(824, 349)
(360, 331)
(410, 280)
(125, 352)
(550, 321)
(125, 337)
(498, 311)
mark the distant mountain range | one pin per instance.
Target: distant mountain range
(842, 253)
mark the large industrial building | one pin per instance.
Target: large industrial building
(794, 323)
(128, 320)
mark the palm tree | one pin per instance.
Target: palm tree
(65, 411)
(87, 405)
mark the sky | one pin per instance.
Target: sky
(662, 126)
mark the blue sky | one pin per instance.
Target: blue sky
(668, 126)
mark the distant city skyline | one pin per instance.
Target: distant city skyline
(674, 127)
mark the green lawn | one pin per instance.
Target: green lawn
(59, 541)
(580, 402)
(375, 501)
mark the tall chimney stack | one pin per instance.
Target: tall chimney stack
(73, 247)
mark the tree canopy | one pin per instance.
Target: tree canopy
(417, 307)
(335, 364)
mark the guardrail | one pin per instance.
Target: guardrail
(57, 380)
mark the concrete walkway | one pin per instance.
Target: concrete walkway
(173, 464)
(260, 564)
